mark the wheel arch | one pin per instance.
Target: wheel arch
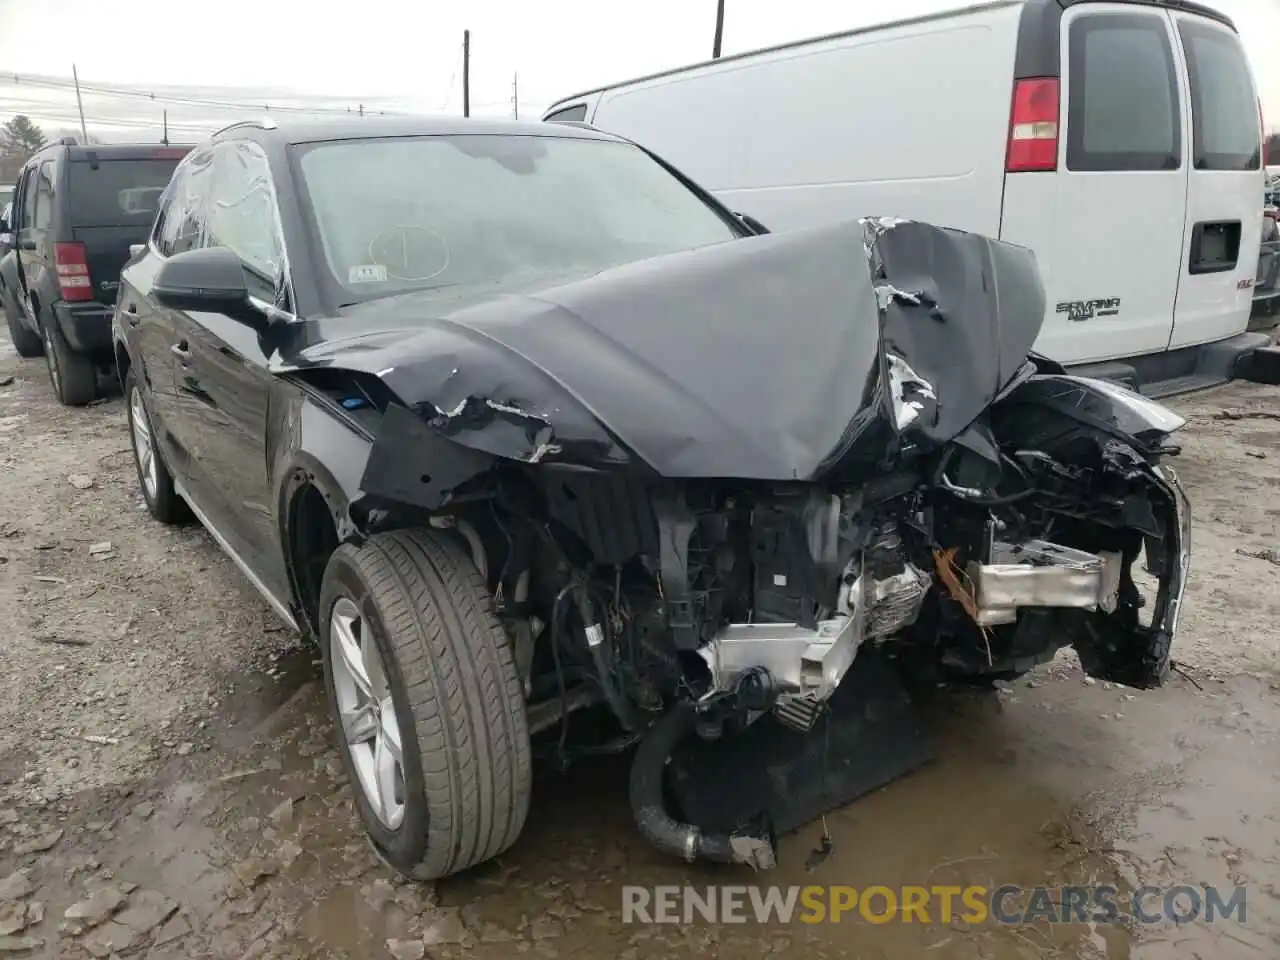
(314, 522)
(124, 362)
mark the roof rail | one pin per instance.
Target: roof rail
(260, 124)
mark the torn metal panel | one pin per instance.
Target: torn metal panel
(766, 358)
(961, 311)
(911, 394)
(411, 462)
(661, 360)
(498, 428)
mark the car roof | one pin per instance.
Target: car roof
(361, 128)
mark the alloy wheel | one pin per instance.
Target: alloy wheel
(143, 445)
(367, 713)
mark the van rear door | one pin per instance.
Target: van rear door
(1106, 221)
(1224, 221)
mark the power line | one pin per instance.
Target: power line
(65, 115)
(121, 91)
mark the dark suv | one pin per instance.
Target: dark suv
(76, 212)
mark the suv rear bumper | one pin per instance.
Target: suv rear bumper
(85, 326)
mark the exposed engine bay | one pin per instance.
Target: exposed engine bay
(717, 605)
(963, 513)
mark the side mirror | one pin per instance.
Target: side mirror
(209, 280)
(135, 249)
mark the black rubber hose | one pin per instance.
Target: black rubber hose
(599, 657)
(683, 840)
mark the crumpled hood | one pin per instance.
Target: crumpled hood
(755, 359)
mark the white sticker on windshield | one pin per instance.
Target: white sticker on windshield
(367, 273)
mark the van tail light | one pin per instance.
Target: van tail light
(73, 271)
(1033, 126)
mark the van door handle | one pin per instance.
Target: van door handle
(1215, 247)
(181, 351)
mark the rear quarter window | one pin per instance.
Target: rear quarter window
(1122, 107)
(574, 114)
(1226, 131)
(117, 193)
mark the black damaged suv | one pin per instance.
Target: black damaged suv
(76, 213)
(519, 423)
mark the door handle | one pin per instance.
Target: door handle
(181, 351)
(131, 314)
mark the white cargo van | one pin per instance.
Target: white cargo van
(1121, 141)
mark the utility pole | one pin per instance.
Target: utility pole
(79, 104)
(515, 96)
(165, 137)
(362, 109)
(715, 47)
(466, 73)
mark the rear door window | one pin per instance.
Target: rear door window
(1226, 131)
(117, 193)
(1123, 108)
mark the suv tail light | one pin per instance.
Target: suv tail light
(73, 271)
(1033, 126)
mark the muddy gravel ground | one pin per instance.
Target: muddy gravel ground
(169, 785)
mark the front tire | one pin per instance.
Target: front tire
(427, 703)
(24, 341)
(154, 479)
(73, 375)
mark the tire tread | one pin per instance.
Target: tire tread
(463, 690)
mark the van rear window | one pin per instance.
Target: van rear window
(1122, 111)
(117, 193)
(1225, 128)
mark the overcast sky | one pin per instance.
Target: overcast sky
(404, 55)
